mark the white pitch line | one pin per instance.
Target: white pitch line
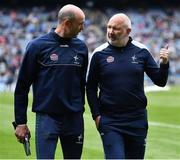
(166, 125)
(159, 124)
(167, 141)
(12, 107)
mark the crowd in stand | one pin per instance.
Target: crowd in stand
(153, 27)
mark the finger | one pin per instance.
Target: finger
(166, 46)
(20, 136)
(97, 122)
(164, 51)
(29, 135)
(17, 136)
(20, 140)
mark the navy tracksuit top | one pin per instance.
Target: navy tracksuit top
(56, 68)
(119, 74)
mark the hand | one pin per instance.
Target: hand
(164, 55)
(21, 131)
(97, 121)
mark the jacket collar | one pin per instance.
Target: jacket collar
(58, 38)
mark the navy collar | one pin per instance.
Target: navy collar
(58, 38)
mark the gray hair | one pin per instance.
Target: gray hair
(62, 15)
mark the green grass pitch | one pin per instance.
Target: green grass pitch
(163, 140)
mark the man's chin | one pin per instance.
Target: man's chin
(112, 42)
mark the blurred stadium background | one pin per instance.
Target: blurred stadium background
(154, 23)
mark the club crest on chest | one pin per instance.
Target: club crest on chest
(54, 57)
(110, 59)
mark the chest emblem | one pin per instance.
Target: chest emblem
(134, 59)
(54, 57)
(76, 58)
(110, 59)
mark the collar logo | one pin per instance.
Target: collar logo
(54, 57)
(110, 59)
(64, 45)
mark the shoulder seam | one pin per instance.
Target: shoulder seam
(100, 48)
(139, 45)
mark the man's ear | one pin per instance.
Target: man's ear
(128, 31)
(67, 23)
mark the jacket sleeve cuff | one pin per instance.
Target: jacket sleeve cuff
(20, 122)
(164, 66)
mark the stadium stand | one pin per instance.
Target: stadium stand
(153, 26)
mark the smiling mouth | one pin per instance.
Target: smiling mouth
(112, 38)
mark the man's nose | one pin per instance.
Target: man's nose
(111, 30)
(81, 27)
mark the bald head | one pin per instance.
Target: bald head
(121, 19)
(70, 12)
(70, 21)
(118, 30)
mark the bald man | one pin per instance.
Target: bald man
(55, 65)
(115, 89)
